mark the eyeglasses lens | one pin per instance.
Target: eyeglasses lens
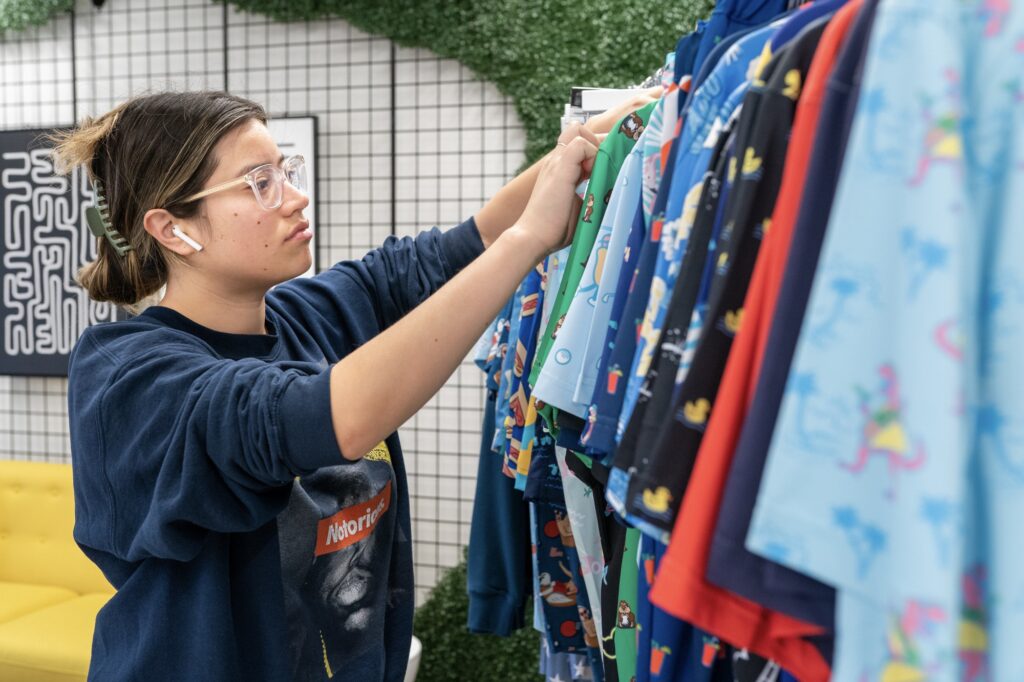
(295, 172)
(267, 187)
(268, 181)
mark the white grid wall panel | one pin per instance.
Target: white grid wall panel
(455, 140)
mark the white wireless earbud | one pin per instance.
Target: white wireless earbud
(185, 238)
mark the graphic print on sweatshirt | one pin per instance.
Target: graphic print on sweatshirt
(336, 536)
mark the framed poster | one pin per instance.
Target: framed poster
(46, 240)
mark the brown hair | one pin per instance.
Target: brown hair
(149, 152)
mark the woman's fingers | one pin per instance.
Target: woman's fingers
(578, 155)
(553, 207)
(574, 130)
(602, 123)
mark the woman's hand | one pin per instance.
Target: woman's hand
(574, 130)
(602, 123)
(507, 206)
(549, 216)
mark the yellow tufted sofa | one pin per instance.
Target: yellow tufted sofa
(49, 591)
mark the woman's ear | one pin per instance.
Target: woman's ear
(160, 223)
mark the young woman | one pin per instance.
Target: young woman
(238, 478)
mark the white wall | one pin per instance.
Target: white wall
(456, 141)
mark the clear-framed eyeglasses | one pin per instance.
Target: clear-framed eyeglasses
(267, 182)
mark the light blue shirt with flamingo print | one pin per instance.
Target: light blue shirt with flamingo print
(896, 470)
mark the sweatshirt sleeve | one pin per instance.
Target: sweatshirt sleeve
(356, 299)
(174, 443)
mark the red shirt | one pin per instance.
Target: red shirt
(680, 587)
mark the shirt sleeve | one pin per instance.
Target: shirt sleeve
(356, 299)
(173, 443)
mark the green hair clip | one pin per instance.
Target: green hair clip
(98, 219)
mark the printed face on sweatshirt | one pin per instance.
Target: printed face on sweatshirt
(341, 579)
(336, 537)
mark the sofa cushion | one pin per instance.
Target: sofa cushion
(52, 644)
(37, 514)
(17, 599)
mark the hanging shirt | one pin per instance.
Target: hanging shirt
(623, 247)
(610, 157)
(502, 432)
(618, 598)
(557, 381)
(712, 105)
(609, 392)
(685, 591)
(486, 354)
(582, 509)
(701, 280)
(610, 532)
(629, 457)
(558, 577)
(670, 649)
(731, 16)
(805, 15)
(555, 268)
(685, 58)
(649, 147)
(497, 581)
(225, 507)
(790, 253)
(651, 144)
(684, 309)
(757, 166)
(496, 598)
(606, 389)
(699, 652)
(565, 667)
(888, 402)
(498, 353)
(523, 346)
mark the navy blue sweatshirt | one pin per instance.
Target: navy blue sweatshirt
(210, 490)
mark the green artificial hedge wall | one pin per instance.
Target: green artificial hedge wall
(17, 15)
(453, 654)
(533, 50)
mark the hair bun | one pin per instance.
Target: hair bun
(78, 146)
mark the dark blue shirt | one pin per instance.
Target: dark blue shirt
(211, 492)
(730, 564)
(730, 17)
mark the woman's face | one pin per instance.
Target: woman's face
(246, 247)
